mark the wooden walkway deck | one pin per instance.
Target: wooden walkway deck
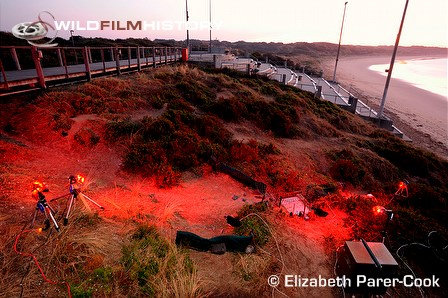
(75, 64)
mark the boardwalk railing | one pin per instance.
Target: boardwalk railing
(29, 67)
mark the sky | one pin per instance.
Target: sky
(367, 22)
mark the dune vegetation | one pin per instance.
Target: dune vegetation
(161, 127)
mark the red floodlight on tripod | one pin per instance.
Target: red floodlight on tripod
(42, 205)
(74, 192)
(402, 189)
(381, 210)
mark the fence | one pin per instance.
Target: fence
(23, 66)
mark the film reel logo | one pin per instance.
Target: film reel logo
(37, 30)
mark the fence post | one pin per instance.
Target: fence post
(129, 57)
(117, 60)
(64, 62)
(103, 60)
(85, 54)
(217, 61)
(15, 58)
(89, 52)
(145, 53)
(284, 79)
(37, 55)
(166, 56)
(154, 57)
(318, 93)
(58, 51)
(4, 74)
(139, 67)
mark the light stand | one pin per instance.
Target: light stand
(74, 192)
(390, 215)
(402, 189)
(339, 46)
(43, 206)
(391, 67)
(188, 32)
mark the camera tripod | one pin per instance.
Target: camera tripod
(46, 209)
(74, 192)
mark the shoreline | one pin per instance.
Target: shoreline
(420, 114)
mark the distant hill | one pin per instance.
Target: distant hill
(7, 39)
(318, 49)
(315, 49)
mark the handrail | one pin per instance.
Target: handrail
(25, 66)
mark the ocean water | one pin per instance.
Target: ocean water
(427, 74)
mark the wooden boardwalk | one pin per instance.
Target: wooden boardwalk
(76, 64)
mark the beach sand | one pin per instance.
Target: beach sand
(420, 114)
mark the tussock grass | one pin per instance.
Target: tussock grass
(97, 261)
(168, 212)
(158, 268)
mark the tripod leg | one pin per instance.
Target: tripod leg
(47, 221)
(34, 217)
(51, 209)
(92, 201)
(70, 205)
(52, 218)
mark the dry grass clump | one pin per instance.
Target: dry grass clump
(94, 258)
(156, 267)
(68, 256)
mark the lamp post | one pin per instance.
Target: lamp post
(339, 46)
(210, 13)
(71, 34)
(73, 44)
(188, 32)
(392, 60)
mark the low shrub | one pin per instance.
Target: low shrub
(195, 92)
(161, 129)
(87, 137)
(228, 109)
(121, 127)
(346, 171)
(253, 223)
(212, 129)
